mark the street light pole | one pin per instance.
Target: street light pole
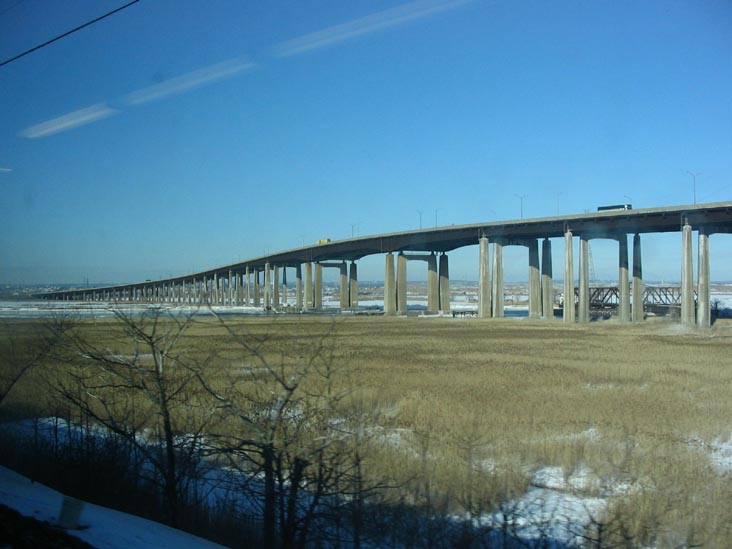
(693, 175)
(521, 197)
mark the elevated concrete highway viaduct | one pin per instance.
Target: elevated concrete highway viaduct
(258, 281)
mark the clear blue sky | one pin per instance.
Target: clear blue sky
(177, 136)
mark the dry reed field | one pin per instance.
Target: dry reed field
(466, 410)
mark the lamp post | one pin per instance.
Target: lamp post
(693, 175)
(521, 197)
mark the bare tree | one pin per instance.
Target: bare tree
(134, 379)
(281, 423)
(25, 346)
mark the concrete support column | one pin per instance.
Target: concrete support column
(231, 289)
(433, 285)
(623, 283)
(256, 289)
(444, 284)
(497, 288)
(687, 277)
(583, 309)
(298, 287)
(534, 280)
(247, 290)
(401, 284)
(284, 286)
(484, 279)
(353, 285)
(276, 287)
(309, 296)
(238, 290)
(343, 286)
(203, 292)
(389, 286)
(547, 285)
(318, 289)
(704, 311)
(267, 286)
(568, 308)
(637, 310)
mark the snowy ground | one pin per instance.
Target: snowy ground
(100, 527)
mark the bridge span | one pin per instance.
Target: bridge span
(256, 281)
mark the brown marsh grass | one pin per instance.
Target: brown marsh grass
(472, 407)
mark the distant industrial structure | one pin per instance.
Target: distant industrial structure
(256, 281)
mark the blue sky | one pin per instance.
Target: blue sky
(176, 136)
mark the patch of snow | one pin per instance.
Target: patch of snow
(720, 454)
(556, 507)
(102, 527)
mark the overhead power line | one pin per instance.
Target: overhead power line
(59, 37)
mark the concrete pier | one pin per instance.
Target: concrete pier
(547, 284)
(433, 284)
(353, 285)
(687, 277)
(230, 289)
(401, 284)
(444, 284)
(318, 287)
(309, 295)
(704, 311)
(343, 286)
(257, 290)
(267, 286)
(298, 287)
(498, 300)
(623, 283)
(247, 290)
(637, 308)
(484, 279)
(583, 307)
(568, 308)
(534, 280)
(276, 287)
(389, 286)
(284, 286)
